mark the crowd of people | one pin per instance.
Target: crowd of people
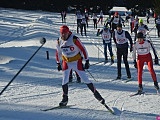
(72, 51)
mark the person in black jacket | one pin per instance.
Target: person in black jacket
(121, 38)
(116, 19)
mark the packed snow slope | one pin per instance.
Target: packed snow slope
(38, 86)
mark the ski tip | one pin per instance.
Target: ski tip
(142, 93)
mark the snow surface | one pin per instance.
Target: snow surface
(38, 86)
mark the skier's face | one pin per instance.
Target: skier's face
(64, 35)
(119, 29)
(140, 40)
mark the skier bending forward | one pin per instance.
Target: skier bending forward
(70, 48)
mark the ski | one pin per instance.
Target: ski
(127, 80)
(135, 94)
(109, 109)
(57, 107)
(157, 93)
(122, 80)
(115, 79)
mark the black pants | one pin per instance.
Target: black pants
(83, 26)
(95, 23)
(78, 24)
(114, 26)
(122, 52)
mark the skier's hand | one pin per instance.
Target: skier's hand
(86, 66)
(135, 64)
(156, 60)
(59, 67)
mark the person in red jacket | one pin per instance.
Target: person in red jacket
(142, 48)
(71, 50)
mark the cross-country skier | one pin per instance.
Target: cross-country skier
(106, 37)
(135, 25)
(131, 23)
(71, 50)
(141, 27)
(142, 48)
(116, 19)
(63, 16)
(94, 20)
(121, 38)
(83, 25)
(86, 16)
(100, 17)
(79, 20)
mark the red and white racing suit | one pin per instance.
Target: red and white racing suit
(144, 55)
(71, 51)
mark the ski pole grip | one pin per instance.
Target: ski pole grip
(43, 41)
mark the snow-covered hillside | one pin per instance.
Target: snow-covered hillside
(38, 86)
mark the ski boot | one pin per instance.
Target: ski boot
(129, 77)
(70, 78)
(105, 61)
(140, 90)
(118, 78)
(112, 59)
(156, 85)
(78, 79)
(64, 101)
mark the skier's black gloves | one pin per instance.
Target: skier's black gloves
(86, 66)
(156, 60)
(135, 64)
(59, 67)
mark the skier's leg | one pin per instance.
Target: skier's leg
(111, 52)
(125, 57)
(66, 73)
(119, 57)
(150, 68)
(96, 93)
(140, 64)
(105, 52)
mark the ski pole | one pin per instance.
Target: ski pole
(91, 75)
(151, 29)
(42, 41)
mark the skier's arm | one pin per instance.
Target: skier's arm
(134, 55)
(58, 52)
(78, 43)
(111, 33)
(112, 19)
(146, 27)
(134, 52)
(121, 19)
(128, 36)
(98, 33)
(153, 48)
